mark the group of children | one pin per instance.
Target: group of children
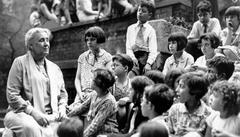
(194, 95)
(65, 12)
(121, 95)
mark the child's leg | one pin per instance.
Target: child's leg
(66, 11)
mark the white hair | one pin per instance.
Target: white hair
(31, 34)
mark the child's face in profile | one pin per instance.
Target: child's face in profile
(183, 92)
(204, 17)
(143, 14)
(118, 68)
(216, 101)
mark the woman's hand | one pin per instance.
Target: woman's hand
(40, 118)
(62, 114)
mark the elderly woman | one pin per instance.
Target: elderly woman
(102, 106)
(35, 89)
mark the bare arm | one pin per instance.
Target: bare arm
(47, 13)
(77, 82)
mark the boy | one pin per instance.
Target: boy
(121, 65)
(141, 37)
(203, 25)
(220, 68)
(156, 100)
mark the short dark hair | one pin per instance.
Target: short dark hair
(173, 75)
(161, 97)
(96, 32)
(138, 84)
(155, 75)
(103, 78)
(204, 6)
(233, 10)
(124, 59)
(180, 38)
(230, 92)
(212, 37)
(196, 82)
(149, 4)
(153, 129)
(72, 127)
(223, 66)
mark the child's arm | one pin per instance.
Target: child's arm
(216, 27)
(129, 50)
(47, 13)
(193, 34)
(152, 43)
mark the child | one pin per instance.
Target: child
(203, 25)
(121, 65)
(157, 99)
(85, 11)
(219, 68)
(47, 8)
(141, 36)
(138, 84)
(190, 113)
(179, 59)
(101, 106)
(225, 122)
(209, 42)
(156, 76)
(72, 127)
(36, 18)
(153, 129)
(230, 36)
(94, 57)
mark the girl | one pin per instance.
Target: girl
(88, 61)
(180, 58)
(209, 42)
(102, 106)
(190, 113)
(230, 36)
(224, 99)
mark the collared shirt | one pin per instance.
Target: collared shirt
(101, 118)
(122, 92)
(198, 28)
(202, 62)
(88, 63)
(224, 37)
(184, 61)
(150, 39)
(180, 121)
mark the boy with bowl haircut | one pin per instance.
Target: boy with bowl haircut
(141, 36)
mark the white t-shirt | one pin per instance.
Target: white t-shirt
(230, 125)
